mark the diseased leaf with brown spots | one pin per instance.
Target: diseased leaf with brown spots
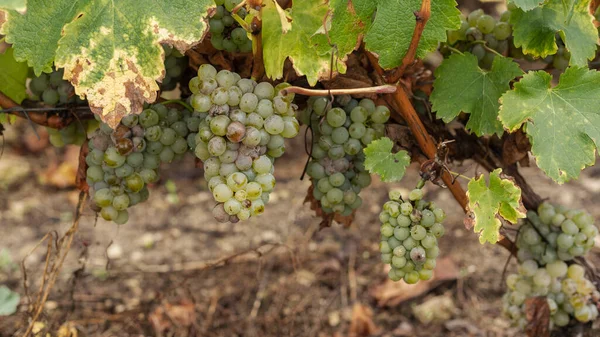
(537, 313)
(110, 49)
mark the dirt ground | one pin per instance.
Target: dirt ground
(173, 271)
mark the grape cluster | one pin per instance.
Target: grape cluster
(175, 64)
(566, 289)
(225, 33)
(75, 133)
(242, 133)
(52, 89)
(409, 233)
(550, 238)
(556, 233)
(122, 162)
(561, 59)
(479, 29)
(336, 166)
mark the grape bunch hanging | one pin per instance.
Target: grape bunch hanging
(547, 244)
(242, 132)
(410, 230)
(340, 134)
(225, 33)
(122, 162)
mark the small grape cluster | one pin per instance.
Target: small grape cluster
(52, 89)
(409, 233)
(225, 33)
(479, 29)
(75, 133)
(556, 233)
(122, 162)
(336, 166)
(175, 64)
(242, 133)
(550, 238)
(566, 289)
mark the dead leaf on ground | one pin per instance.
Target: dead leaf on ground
(537, 312)
(170, 317)
(362, 324)
(391, 294)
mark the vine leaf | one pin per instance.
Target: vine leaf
(527, 5)
(110, 49)
(389, 35)
(382, 161)
(535, 30)
(475, 91)
(303, 43)
(13, 76)
(562, 123)
(501, 199)
(9, 300)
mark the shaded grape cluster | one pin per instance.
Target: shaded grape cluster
(547, 242)
(556, 233)
(340, 134)
(122, 162)
(410, 230)
(243, 130)
(52, 89)
(479, 29)
(75, 133)
(225, 33)
(175, 64)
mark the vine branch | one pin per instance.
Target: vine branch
(381, 89)
(46, 117)
(421, 17)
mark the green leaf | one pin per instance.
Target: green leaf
(562, 123)
(488, 204)
(13, 76)
(380, 159)
(110, 49)
(527, 4)
(18, 5)
(350, 21)
(535, 30)
(305, 44)
(461, 86)
(391, 32)
(9, 300)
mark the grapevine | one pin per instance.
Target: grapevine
(370, 87)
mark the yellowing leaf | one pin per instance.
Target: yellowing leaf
(501, 199)
(380, 159)
(110, 49)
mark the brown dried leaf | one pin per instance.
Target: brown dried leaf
(469, 220)
(362, 324)
(169, 316)
(391, 293)
(328, 219)
(537, 312)
(400, 134)
(515, 148)
(63, 174)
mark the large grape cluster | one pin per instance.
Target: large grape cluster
(549, 239)
(175, 64)
(479, 29)
(225, 33)
(123, 161)
(52, 89)
(242, 133)
(409, 233)
(566, 289)
(556, 233)
(336, 167)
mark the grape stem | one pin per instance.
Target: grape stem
(485, 46)
(454, 50)
(421, 17)
(381, 89)
(180, 102)
(238, 19)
